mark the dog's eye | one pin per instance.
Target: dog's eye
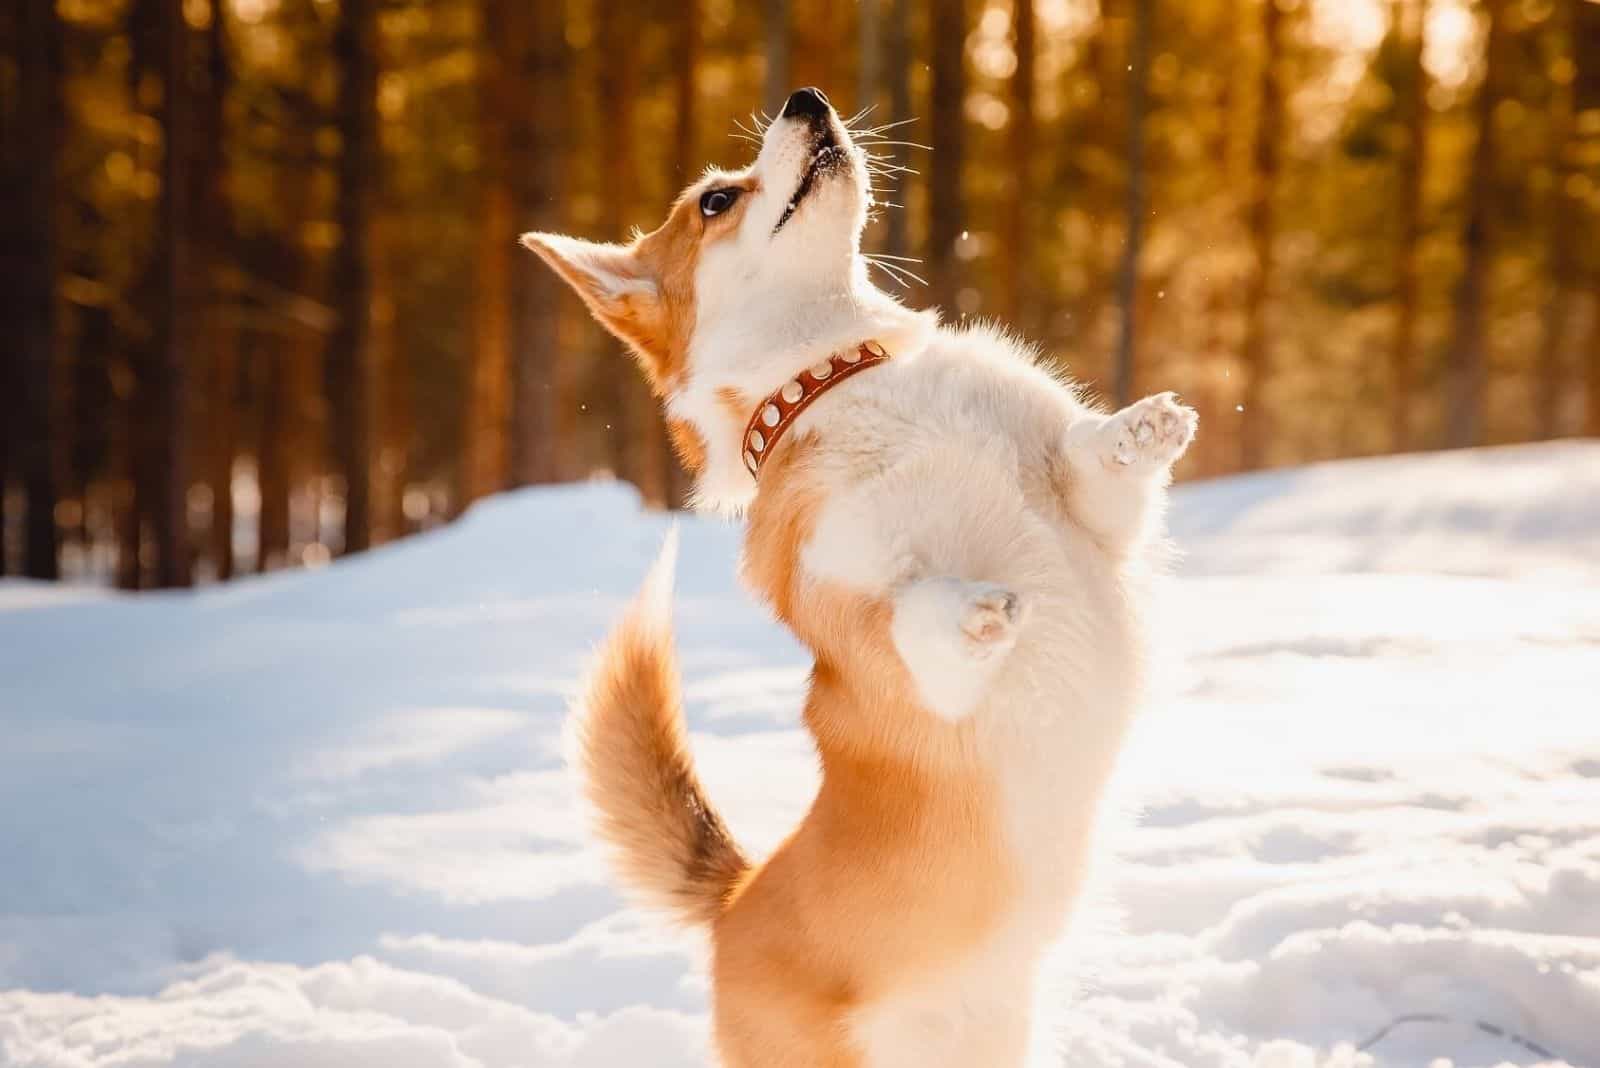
(717, 201)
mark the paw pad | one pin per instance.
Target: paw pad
(992, 618)
(1154, 431)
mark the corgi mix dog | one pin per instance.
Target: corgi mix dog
(961, 543)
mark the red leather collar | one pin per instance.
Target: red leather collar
(784, 405)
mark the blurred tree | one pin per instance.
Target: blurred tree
(1563, 220)
(1128, 279)
(1306, 246)
(166, 386)
(815, 49)
(947, 126)
(897, 68)
(1586, 92)
(1212, 452)
(213, 256)
(537, 142)
(686, 159)
(633, 429)
(869, 58)
(30, 361)
(1021, 215)
(775, 21)
(1466, 368)
(487, 419)
(1257, 353)
(1408, 28)
(349, 356)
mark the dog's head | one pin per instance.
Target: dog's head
(781, 233)
(755, 275)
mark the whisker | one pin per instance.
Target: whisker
(887, 126)
(905, 144)
(858, 116)
(899, 274)
(896, 279)
(886, 256)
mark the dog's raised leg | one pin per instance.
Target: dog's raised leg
(952, 635)
(1119, 464)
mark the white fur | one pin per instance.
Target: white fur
(955, 474)
(953, 635)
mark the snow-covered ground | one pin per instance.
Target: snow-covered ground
(320, 819)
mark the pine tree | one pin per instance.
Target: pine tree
(1466, 370)
(32, 352)
(1262, 222)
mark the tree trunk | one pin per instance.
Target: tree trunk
(39, 141)
(897, 66)
(1212, 452)
(869, 57)
(1128, 277)
(1411, 21)
(166, 479)
(212, 182)
(1016, 265)
(624, 397)
(389, 372)
(945, 214)
(486, 420)
(1256, 356)
(817, 48)
(657, 452)
(775, 20)
(1466, 368)
(1586, 42)
(288, 441)
(1564, 217)
(537, 140)
(272, 453)
(1592, 409)
(355, 47)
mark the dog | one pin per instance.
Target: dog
(963, 544)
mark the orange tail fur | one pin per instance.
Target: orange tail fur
(669, 844)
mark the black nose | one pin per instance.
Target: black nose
(808, 102)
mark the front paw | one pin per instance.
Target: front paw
(1151, 433)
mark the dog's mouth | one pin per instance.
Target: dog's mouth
(828, 157)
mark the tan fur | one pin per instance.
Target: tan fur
(905, 813)
(735, 405)
(906, 819)
(949, 537)
(688, 443)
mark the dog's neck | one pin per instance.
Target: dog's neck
(735, 367)
(777, 411)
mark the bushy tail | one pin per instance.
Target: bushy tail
(633, 754)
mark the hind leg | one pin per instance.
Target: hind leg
(759, 1025)
(952, 636)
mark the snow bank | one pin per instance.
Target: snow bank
(321, 818)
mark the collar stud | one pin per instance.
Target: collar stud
(779, 409)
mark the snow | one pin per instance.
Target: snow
(321, 818)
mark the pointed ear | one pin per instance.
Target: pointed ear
(620, 289)
(605, 276)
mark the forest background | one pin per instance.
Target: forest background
(263, 301)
